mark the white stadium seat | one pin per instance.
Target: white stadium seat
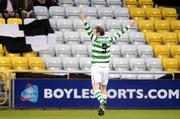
(113, 25)
(129, 76)
(89, 46)
(123, 40)
(59, 37)
(137, 64)
(41, 12)
(64, 25)
(79, 50)
(146, 76)
(78, 25)
(71, 37)
(98, 3)
(97, 22)
(82, 3)
(62, 50)
(84, 37)
(53, 24)
(105, 13)
(70, 63)
(90, 12)
(120, 64)
(49, 52)
(66, 3)
(53, 63)
(145, 51)
(128, 51)
(72, 12)
(121, 13)
(115, 51)
(114, 3)
(136, 38)
(85, 63)
(56, 12)
(154, 64)
(126, 22)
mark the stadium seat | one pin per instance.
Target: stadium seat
(90, 12)
(70, 63)
(30, 54)
(53, 63)
(82, 3)
(49, 52)
(84, 37)
(169, 13)
(120, 64)
(123, 40)
(28, 20)
(66, 3)
(64, 25)
(56, 12)
(78, 25)
(137, 13)
(115, 51)
(36, 63)
(97, 22)
(105, 13)
(62, 50)
(137, 64)
(153, 13)
(131, 3)
(89, 48)
(169, 38)
(41, 12)
(85, 63)
(53, 23)
(59, 37)
(126, 22)
(121, 13)
(161, 51)
(71, 37)
(170, 64)
(114, 3)
(146, 25)
(1, 50)
(19, 63)
(12, 54)
(72, 12)
(2, 21)
(175, 26)
(145, 51)
(128, 51)
(154, 64)
(145, 76)
(112, 25)
(145, 3)
(98, 3)
(79, 50)
(5, 63)
(153, 38)
(14, 21)
(136, 38)
(175, 51)
(162, 25)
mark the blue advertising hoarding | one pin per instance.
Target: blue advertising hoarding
(54, 93)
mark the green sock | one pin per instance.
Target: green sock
(99, 96)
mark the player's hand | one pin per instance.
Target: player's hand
(132, 23)
(82, 16)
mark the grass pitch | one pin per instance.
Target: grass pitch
(89, 114)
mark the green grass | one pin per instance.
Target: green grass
(89, 114)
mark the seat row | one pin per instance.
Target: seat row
(139, 3)
(73, 12)
(159, 25)
(153, 13)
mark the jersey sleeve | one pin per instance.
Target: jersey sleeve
(120, 33)
(89, 31)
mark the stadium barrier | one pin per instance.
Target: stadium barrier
(63, 93)
(5, 91)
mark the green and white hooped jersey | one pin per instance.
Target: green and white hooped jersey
(101, 44)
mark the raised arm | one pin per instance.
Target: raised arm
(87, 27)
(122, 31)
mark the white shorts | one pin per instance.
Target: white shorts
(99, 74)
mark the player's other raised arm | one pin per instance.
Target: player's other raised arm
(123, 30)
(87, 27)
